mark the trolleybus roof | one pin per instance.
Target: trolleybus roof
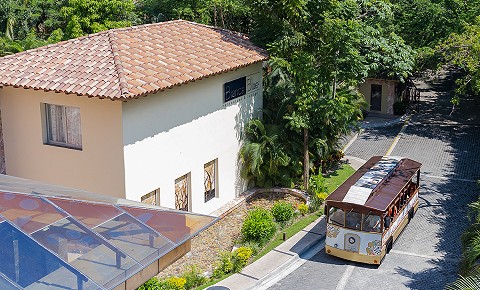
(375, 185)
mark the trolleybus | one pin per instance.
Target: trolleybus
(367, 213)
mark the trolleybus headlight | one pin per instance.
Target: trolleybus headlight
(336, 245)
(351, 240)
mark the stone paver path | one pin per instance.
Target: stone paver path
(427, 253)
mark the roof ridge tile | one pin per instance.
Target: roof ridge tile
(124, 92)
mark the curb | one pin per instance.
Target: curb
(387, 123)
(308, 250)
(270, 276)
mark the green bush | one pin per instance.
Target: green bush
(151, 284)
(400, 108)
(255, 247)
(282, 211)
(240, 258)
(176, 283)
(317, 191)
(303, 208)
(316, 184)
(258, 226)
(224, 265)
(194, 278)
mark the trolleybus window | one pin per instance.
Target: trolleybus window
(336, 216)
(371, 223)
(353, 220)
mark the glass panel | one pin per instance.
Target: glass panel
(56, 123)
(7, 285)
(336, 216)
(91, 255)
(31, 266)
(353, 220)
(135, 238)
(91, 214)
(29, 213)
(74, 131)
(371, 223)
(177, 226)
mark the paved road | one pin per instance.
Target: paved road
(427, 253)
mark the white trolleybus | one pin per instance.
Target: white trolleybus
(366, 214)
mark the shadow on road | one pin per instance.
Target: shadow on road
(453, 167)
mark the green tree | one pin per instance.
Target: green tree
(230, 14)
(322, 50)
(91, 16)
(463, 50)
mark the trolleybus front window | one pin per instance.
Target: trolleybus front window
(371, 223)
(353, 220)
(336, 216)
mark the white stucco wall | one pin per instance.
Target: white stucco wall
(177, 131)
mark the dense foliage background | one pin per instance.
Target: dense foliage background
(319, 52)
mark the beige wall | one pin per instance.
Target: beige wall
(388, 93)
(98, 167)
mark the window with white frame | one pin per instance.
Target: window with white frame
(210, 180)
(63, 126)
(152, 197)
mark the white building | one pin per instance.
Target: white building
(152, 113)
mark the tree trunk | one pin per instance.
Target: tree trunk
(334, 89)
(306, 168)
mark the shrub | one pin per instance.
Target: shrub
(240, 257)
(400, 107)
(317, 191)
(151, 284)
(258, 226)
(224, 265)
(194, 278)
(282, 211)
(303, 209)
(316, 184)
(176, 283)
(255, 247)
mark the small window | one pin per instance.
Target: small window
(152, 198)
(353, 220)
(63, 126)
(336, 216)
(371, 223)
(182, 193)
(210, 179)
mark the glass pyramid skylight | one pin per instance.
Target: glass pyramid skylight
(67, 239)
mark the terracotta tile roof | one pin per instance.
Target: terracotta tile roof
(126, 63)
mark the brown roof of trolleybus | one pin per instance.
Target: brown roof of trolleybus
(384, 193)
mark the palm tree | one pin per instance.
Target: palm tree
(471, 282)
(262, 154)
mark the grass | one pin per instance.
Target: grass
(336, 178)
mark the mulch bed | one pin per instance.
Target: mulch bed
(222, 236)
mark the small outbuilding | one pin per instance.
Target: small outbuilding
(384, 95)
